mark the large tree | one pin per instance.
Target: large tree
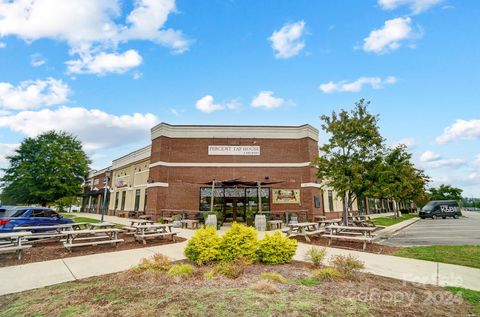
(347, 162)
(398, 179)
(44, 169)
(445, 192)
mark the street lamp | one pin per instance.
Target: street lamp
(105, 188)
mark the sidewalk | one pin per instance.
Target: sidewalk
(35, 275)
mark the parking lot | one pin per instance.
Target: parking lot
(465, 230)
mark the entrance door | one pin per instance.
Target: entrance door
(234, 209)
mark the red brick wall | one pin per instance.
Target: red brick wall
(183, 192)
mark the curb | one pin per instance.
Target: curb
(389, 232)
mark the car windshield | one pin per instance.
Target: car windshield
(429, 206)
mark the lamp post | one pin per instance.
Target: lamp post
(105, 187)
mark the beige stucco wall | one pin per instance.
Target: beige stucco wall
(129, 179)
(337, 201)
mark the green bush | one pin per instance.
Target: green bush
(327, 274)
(157, 262)
(315, 255)
(273, 276)
(348, 266)
(276, 249)
(204, 246)
(181, 270)
(309, 281)
(239, 242)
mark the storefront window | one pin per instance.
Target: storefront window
(137, 200)
(122, 207)
(330, 200)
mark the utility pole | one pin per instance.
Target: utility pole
(105, 188)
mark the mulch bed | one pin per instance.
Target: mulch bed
(55, 250)
(351, 245)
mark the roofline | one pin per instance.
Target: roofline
(132, 157)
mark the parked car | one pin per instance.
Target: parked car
(30, 216)
(441, 208)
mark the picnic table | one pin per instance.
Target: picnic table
(319, 218)
(189, 223)
(12, 242)
(305, 229)
(101, 225)
(167, 219)
(327, 222)
(145, 217)
(275, 224)
(45, 233)
(363, 234)
(143, 232)
(91, 237)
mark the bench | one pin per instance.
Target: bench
(68, 246)
(364, 239)
(15, 248)
(154, 234)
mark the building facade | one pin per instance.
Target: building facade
(129, 182)
(94, 191)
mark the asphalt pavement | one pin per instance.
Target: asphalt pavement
(462, 231)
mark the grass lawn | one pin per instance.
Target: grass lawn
(468, 295)
(84, 219)
(254, 293)
(388, 221)
(466, 255)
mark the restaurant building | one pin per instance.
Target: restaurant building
(94, 191)
(186, 159)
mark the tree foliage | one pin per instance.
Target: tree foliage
(445, 192)
(347, 162)
(44, 169)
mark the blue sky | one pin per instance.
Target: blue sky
(109, 70)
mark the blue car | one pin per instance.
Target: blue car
(30, 216)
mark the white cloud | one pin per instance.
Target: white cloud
(460, 130)
(408, 142)
(265, 99)
(137, 75)
(357, 85)
(95, 128)
(206, 104)
(429, 156)
(37, 60)
(287, 42)
(177, 112)
(234, 104)
(104, 63)
(389, 37)
(6, 150)
(417, 6)
(33, 94)
(3, 45)
(477, 160)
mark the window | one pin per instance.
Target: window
(41, 213)
(330, 200)
(116, 200)
(137, 200)
(122, 207)
(145, 201)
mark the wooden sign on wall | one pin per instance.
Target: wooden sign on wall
(286, 196)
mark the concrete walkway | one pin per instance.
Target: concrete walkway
(35, 275)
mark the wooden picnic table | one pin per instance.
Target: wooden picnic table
(349, 232)
(92, 237)
(327, 222)
(47, 233)
(143, 232)
(139, 222)
(305, 229)
(319, 218)
(189, 223)
(145, 217)
(167, 219)
(101, 225)
(275, 224)
(12, 242)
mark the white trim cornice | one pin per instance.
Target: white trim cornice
(187, 164)
(315, 185)
(238, 132)
(157, 184)
(133, 157)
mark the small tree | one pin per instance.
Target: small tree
(347, 162)
(43, 169)
(445, 192)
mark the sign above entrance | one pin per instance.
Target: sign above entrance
(233, 150)
(286, 196)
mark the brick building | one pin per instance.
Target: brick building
(185, 159)
(94, 191)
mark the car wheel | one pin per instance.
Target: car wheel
(444, 217)
(422, 217)
(455, 217)
(434, 217)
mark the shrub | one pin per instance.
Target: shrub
(157, 262)
(327, 274)
(239, 242)
(315, 255)
(273, 276)
(209, 275)
(309, 281)
(232, 269)
(181, 270)
(204, 246)
(276, 249)
(264, 286)
(348, 266)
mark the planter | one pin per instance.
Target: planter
(260, 222)
(177, 224)
(211, 221)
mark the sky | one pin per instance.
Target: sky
(107, 71)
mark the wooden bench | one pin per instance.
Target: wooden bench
(363, 239)
(12, 242)
(15, 248)
(91, 243)
(93, 236)
(153, 234)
